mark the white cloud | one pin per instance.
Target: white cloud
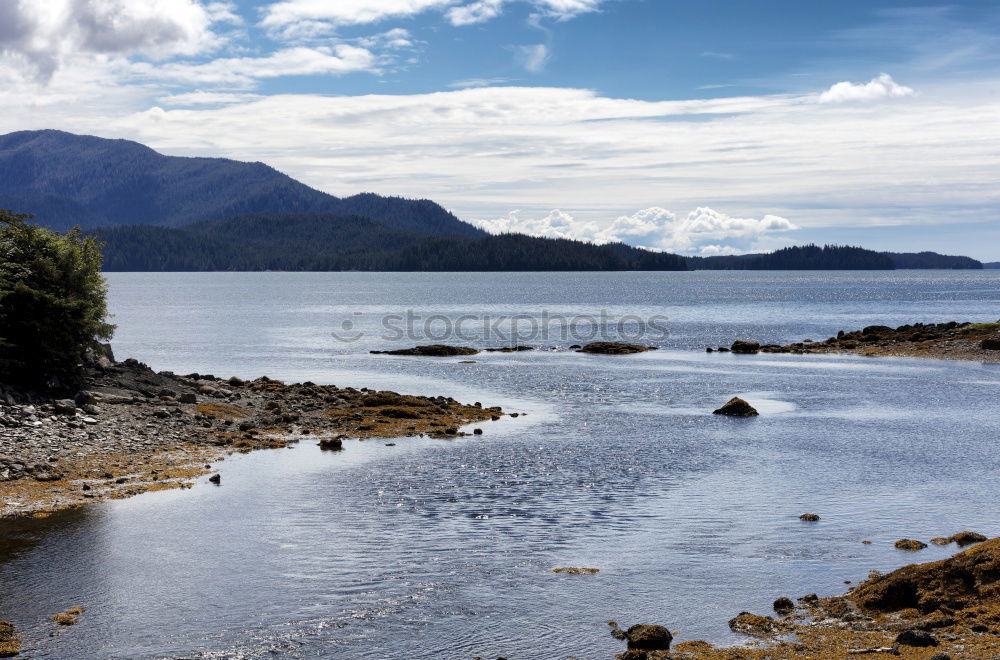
(476, 12)
(280, 16)
(483, 151)
(37, 36)
(243, 71)
(566, 9)
(533, 57)
(202, 98)
(346, 12)
(703, 231)
(478, 82)
(703, 228)
(554, 225)
(881, 87)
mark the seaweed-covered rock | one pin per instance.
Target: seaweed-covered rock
(809, 517)
(910, 545)
(968, 579)
(614, 348)
(756, 625)
(745, 347)
(736, 407)
(431, 350)
(10, 641)
(967, 538)
(574, 570)
(644, 637)
(920, 638)
(784, 605)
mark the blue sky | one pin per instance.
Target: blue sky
(705, 128)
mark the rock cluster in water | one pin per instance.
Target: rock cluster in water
(965, 340)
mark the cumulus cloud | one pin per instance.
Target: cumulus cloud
(703, 231)
(41, 34)
(882, 87)
(703, 228)
(554, 225)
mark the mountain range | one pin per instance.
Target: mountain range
(157, 212)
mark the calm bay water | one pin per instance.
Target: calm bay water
(436, 548)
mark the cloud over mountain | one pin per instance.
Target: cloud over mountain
(703, 231)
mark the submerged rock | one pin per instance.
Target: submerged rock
(573, 570)
(431, 350)
(736, 407)
(614, 348)
(809, 517)
(215, 479)
(70, 617)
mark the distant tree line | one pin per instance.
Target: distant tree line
(800, 257)
(325, 242)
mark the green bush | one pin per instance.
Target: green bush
(52, 303)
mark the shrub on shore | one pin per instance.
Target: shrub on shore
(52, 303)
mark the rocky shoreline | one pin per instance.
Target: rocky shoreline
(943, 341)
(130, 430)
(942, 610)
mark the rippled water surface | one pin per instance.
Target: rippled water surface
(435, 548)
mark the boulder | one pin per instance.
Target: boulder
(784, 605)
(877, 330)
(85, 399)
(614, 348)
(920, 638)
(188, 397)
(215, 479)
(64, 406)
(809, 517)
(736, 407)
(745, 347)
(335, 444)
(990, 343)
(645, 637)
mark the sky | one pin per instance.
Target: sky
(710, 127)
